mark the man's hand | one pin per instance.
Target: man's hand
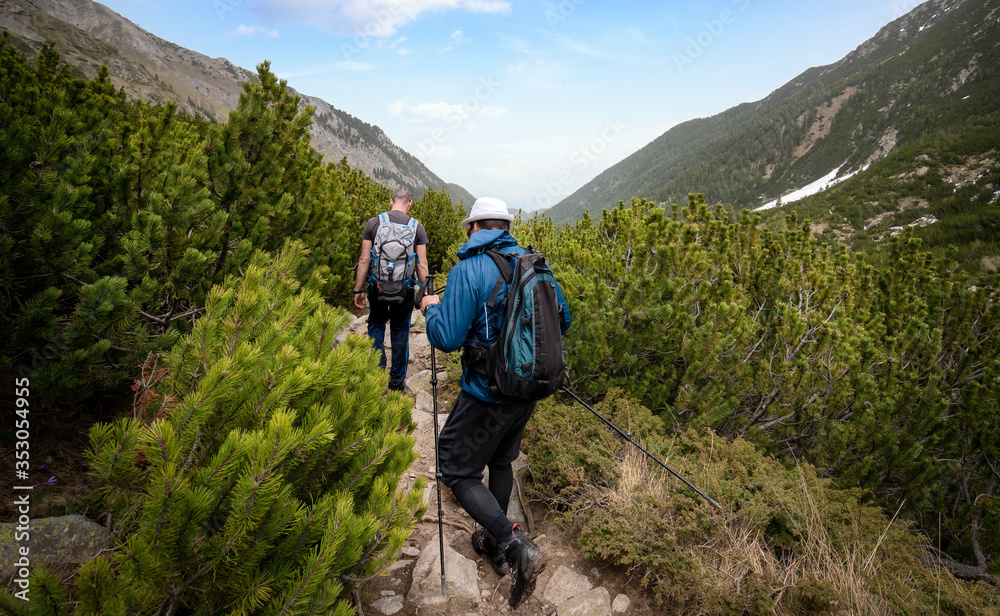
(359, 301)
(428, 300)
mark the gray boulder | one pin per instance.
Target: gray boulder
(461, 576)
(65, 540)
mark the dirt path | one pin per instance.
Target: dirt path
(570, 585)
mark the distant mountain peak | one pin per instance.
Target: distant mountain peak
(152, 69)
(902, 85)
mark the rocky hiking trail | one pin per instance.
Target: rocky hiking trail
(570, 585)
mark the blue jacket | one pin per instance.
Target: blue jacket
(461, 316)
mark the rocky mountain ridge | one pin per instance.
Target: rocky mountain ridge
(88, 35)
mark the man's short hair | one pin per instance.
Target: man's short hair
(494, 224)
(402, 196)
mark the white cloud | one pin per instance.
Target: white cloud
(435, 111)
(457, 38)
(586, 50)
(451, 112)
(437, 151)
(489, 111)
(357, 67)
(253, 31)
(375, 18)
(523, 47)
(504, 172)
(397, 107)
(397, 46)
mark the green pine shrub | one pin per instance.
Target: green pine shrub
(260, 475)
(117, 217)
(881, 373)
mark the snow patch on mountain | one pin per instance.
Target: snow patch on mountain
(828, 180)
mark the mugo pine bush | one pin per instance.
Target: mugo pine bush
(883, 373)
(116, 217)
(260, 478)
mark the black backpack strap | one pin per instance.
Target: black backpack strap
(475, 355)
(506, 273)
(475, 358)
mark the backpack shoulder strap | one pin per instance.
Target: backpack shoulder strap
(506, 273)
(475, 355)
(501, 259)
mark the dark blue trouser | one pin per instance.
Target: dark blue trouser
(398, 316)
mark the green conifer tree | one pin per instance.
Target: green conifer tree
(442, 220)
(262, 477)
(365, 198)
(118, 217)
(253, 166)
(61, 321)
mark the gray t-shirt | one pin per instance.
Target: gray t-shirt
(398, 217)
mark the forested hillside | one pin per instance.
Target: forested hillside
(944, 189)
(930, 76)
(178, 281)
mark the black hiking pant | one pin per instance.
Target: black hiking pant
(477, 435)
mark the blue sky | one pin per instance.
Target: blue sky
(525, 100)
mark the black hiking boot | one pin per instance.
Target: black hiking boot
(484, 545)
(526, 562)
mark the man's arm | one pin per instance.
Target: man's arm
(450, 321)
(364, 262)
(422, 269)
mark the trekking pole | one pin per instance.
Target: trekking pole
(428, 289)
(424, 291)
(641, 448)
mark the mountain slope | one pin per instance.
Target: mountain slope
(931, 71)
(88, 35)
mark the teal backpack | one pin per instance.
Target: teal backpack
(527, 360)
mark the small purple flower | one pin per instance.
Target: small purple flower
(43, 467)
(50, 482)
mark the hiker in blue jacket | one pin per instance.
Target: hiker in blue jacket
(483, 430)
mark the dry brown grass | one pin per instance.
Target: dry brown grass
(740, 552)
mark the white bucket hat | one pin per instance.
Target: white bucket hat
(487, 208)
